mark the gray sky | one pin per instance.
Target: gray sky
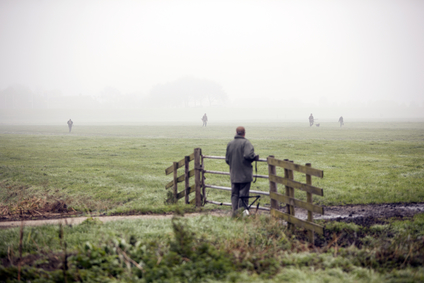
(270, 50)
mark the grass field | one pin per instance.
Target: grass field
(122, 168)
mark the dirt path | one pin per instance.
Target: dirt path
(79, 220)
(359, 214)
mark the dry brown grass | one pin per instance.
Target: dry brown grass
(34, 206)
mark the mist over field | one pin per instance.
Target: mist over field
(326, 117)
(125, 62)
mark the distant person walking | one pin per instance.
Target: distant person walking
(70, 123)
(341, 121)
(205, 120)
(239, 156)
(311, 120)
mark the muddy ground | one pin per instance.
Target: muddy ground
(364, 215)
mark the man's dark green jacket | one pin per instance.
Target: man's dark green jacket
(240, 155)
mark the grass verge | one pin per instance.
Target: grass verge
(214, 249)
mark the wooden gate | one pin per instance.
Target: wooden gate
(288, 181)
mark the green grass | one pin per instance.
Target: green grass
(219, 249)
(121, 169)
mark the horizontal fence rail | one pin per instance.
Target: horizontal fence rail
(298, 222)
(296, 167)
(213, 157)
(223, 157)
(229, 189)
(181, 163)
(180, 179)
(297, 185)
(183, 193)
(297, 202)
(228, 174)
(229, 204)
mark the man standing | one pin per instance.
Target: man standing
(311, 120)
(70, 123)
(341, 121)
(239, 156)
(205, 120)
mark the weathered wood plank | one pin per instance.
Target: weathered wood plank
(286, 175)
(296, 167)
(180, 179)
(272, 185)
(309, 200)
(181, 163)
(290, 194)
(297, 185)
(170, 184)
(183, 193)
(169, 170)
(197, 181)
(298, 222)
(202, 179)
(187, 178)
(296, 202)
(175, 187)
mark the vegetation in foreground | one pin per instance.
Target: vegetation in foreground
(121, 169)
(213, 249)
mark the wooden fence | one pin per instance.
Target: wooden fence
(287, 180)
(289, 197)
(196, 172)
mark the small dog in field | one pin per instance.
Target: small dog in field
(317, 125)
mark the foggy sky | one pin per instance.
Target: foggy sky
(333, 51)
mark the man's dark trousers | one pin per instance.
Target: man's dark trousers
(239, 190)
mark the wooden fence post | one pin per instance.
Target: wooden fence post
(175, 180)
(309, 200)
(291, 190)
(186, 177)
(203, 181)
(272, 185)
(291, 194)
(197, 171)
(286, 175)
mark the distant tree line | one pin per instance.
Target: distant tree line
(185, 92)
(22, 97)
(19, 96)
